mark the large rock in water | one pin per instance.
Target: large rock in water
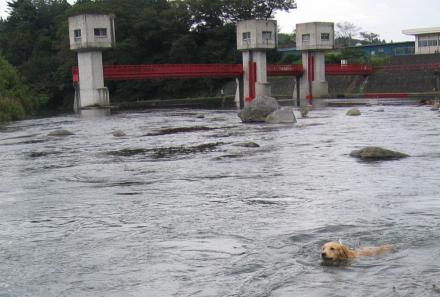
(60, 133)
(354, 112)
(284, 115)
(374, 153)
(258, 109)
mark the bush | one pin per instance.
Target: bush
(379, 60)
(11, 110)
(15, 99)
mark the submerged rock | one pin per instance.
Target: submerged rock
(284, 115)
(60, 133)
(353, 112)
(128, 152)
(304, 111)
(119, 133)
(167, 131)
(247, 144)
(258, 109)
(184, 150)
(374, 153)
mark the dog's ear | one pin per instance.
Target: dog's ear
(343, 252)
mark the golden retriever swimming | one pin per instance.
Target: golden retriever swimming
(335, 251)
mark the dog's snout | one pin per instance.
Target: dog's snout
(323, 255)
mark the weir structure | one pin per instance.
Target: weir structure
(89, 35)
(313, 39)
(254, 38)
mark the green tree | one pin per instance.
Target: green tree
(371, 38)
(15, 98)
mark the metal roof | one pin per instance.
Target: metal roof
(431, 30)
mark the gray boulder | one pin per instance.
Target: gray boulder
(60, 133)
(353, 112)
(249, 144)
(374, 153)
(119, 133)
(304, 111)
(258, 109)
(284, 115)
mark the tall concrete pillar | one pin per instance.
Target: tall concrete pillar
(313, 39)
(254, 38)
(91, 78)
(90, 34)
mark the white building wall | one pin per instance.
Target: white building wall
(256, 29)
(315, 31)
(427, 44)
(87, 23)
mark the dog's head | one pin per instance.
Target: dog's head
(335, 251)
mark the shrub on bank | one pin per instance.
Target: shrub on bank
(11, 110)
(15, 98)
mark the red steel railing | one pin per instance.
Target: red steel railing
(164, 71)
(151, 71)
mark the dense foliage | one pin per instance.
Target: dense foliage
(34, 39)
(15, 100)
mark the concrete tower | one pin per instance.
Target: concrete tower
(89, 35)
(313, 39)
(254, 38)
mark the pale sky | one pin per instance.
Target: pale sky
(385, 17)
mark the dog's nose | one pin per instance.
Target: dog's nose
(323, 255)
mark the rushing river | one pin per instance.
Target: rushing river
(198, 213)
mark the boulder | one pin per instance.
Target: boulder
(435, 106)
(284, 115)
(374, 153)
(119, 133)
(60, 133)
(258, 109)
(304, 111)
(250, 144)
(353, 112)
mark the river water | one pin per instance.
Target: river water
(195, 214)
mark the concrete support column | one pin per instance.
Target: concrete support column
(262, 87)
(255, 75)
(313, 83)
(91, 80)
(246, 59)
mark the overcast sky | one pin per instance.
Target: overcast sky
(385, 17)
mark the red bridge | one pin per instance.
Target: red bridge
(167, 71)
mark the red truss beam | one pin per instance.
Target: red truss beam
(285, 70)
(167, 71)
(164, 71)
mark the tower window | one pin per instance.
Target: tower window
(306, 38)
(77, 35)
(325, 36)
(267, 35)
(246, 36)
(101, 32)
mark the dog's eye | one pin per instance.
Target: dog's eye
(332, 249)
